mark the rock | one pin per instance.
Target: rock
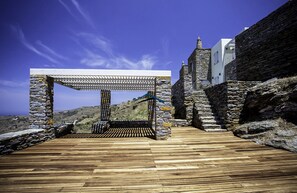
(271, 100)
(255, 127)
(277, 133)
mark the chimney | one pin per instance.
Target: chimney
(199, 43)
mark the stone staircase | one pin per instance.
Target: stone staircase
(203, 115)
(179, 123)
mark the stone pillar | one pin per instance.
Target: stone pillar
(105, 105)
(151, 108)
(186, 79)
(41, 103)
(163, 108)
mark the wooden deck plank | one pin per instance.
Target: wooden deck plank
(191, 161)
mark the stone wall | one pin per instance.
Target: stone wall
(10, 142)
(181, 95)
(13, 141)
(178, 100)
(227, 99)
(163, 108)
(230, 71)
(268, 48)
(41, 103)
(199, 67)
(186, 78)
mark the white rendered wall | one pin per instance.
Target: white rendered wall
(217, 58)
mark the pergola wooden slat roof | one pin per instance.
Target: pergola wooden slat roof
(103, 79)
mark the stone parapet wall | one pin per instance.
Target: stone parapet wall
(10, 142)
(163, 108)
(228, 100)
(14, 141)
(41, 103)
(230, 71)
(268, 48)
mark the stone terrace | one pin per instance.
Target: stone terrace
(192, 161)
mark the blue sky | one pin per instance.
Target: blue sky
(113, 34)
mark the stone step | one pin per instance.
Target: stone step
(206, 113)
(209, 121)
(207, 117)
(211, 126)
(204, 105)
(201, 99)
(201, 96)
(212, 116)
(179, 122)
(215, 130)
(202, 102)
(201, 105)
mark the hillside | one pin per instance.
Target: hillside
(84, 116)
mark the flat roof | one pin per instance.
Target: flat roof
(103, 79)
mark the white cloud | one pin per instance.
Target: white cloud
(83, 13)
(67, 8)
(99, 42)
(51, 51)
(98, 52)
(48, 53)
(146, 62)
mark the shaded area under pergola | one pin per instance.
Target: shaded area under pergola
(156, 82)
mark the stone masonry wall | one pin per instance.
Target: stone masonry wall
(199, 66)
(163, 108)
(186, 78)
(268, 48)
(228, 100)
(41, 104)
(177, 99)
(230, 71)
(182, 99)
(10, 142)
(14, 141)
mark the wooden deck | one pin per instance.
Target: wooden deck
(191, 161)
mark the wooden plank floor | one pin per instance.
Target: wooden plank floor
(191, 161)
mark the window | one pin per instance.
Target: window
(216, 57)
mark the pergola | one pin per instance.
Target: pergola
(158, 82)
